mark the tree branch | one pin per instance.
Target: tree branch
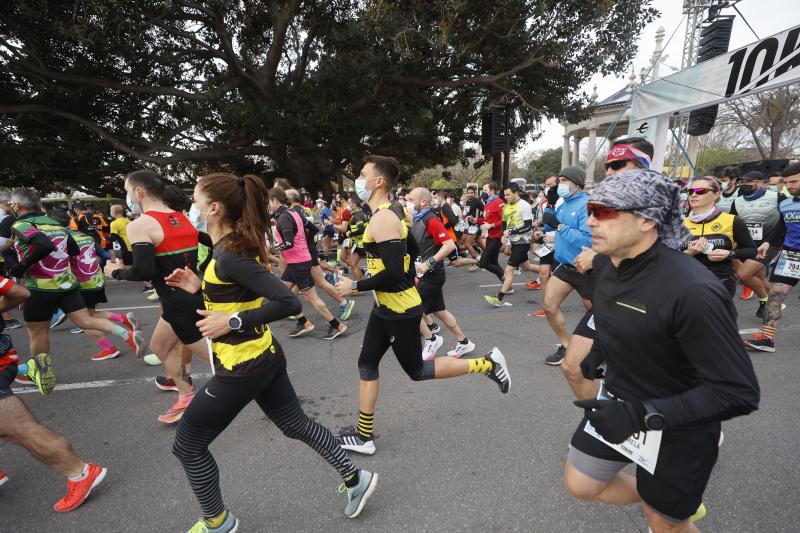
(475, 80)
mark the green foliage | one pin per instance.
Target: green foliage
(91, 88)
(716, 155)
(547, 164)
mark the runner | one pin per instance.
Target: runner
(434, 245)
(17, 424)
(517, 233)
(551, 202)
(717, 238)
(291, 242)
(241, 299)
(358, 224)
(119, 235)
(473, 210)
(8, 257)
(675, 369)
(491, 222)
(729, 185)
(45, 247)
(395, 319)
(785, 271)
(162, 240)
(758, 208)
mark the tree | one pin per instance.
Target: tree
(717, 155)
(91, 88)
(547, 164)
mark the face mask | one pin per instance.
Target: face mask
(133, 206)
(484, 195)
(725, 184)
(684, 196)
(773, 188)
(563, 190)
(538, 200)
(195, 217)
(362, 191)
(746, 190)
(435, 203)
(411, 209)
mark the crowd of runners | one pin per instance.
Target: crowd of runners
(656, 362)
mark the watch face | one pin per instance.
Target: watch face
(655, 422)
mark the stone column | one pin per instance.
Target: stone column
(565, 150)
(576, 151)
(590, 163)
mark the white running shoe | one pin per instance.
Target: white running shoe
(429, 350)
(151, 359)
(499, 373)
(462, 349)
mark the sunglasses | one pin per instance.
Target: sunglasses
(617, 165)
(604, 212)
(698, 191)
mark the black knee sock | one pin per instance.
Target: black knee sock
(334, 323)
(301, 321)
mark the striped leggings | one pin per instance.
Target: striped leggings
(217, 404)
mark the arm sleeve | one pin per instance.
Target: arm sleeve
(287, 229)
(704, 321)
(144, 263)
(451, 217)
(527, 225)
(279, 302)
(39, 247)
(391, 253)
(745, 247)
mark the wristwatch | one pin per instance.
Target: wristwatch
(234, 322)
(354, 286)
(653, 420)
(431, 263)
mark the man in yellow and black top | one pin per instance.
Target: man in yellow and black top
(395, 319)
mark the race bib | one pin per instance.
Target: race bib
(756, 231)
(642, 448)
(542, 250)
(472, 230)
(788, 264)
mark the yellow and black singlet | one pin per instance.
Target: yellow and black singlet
(723, 232)
(395, 292)
(234, 283)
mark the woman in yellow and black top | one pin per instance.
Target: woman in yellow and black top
(241, 298)
(717, 238)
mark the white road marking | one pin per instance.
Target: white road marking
(98, 384)
(128, 308)
(749, 331)
(500, 284)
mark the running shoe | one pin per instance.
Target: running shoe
(13, 324)
(24, 380)
(229, 525)
(435, 328)
(556, 358)
(151, 359)
(137, 343)
(168, 384)
(461, 349)
(58, 318)
(473, 268)
(175, 413)
(153, 297)
(353, 442)
(747, 293)
(40, 373)
(510, 291)
(760, 342)
(334, 332)
(357, 496)
(699, 514)
(494, 300)
(302, 330)
(78, 491)
(533, 285)
(102, 355)
(431, 346)
(346, 309)
(760, 310)
(76, 330)
(3, 478)
(540, 313)
(499, 373)
(132, 322)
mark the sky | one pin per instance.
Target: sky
(767, 17)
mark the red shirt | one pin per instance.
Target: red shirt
(437, 231)
(10, 357)
(493, 214)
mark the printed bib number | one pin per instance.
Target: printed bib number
(542, 250)
(788, 264)
(756, 231)
(642, 448)
(472, 230)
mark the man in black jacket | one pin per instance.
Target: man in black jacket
(676, 367)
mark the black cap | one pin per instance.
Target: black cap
(754, 175)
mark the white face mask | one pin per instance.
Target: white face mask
(362, 191)
(197, 219)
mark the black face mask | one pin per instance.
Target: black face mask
(552, 195)
(746, 190)
(484, 195)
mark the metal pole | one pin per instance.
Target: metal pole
(506, 146)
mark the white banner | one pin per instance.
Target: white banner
(766, 64)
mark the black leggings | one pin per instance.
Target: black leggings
(217, 404)
(403, 336)
(489, 258)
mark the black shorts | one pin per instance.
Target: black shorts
(775, 278)
(42, 304)
(93, 297)
(519, 253)
(772, 253)
(548, 259)
(685, 461)
(431, 291)
(583, 283)
(298, 274)
(7, 377)
(403, 336)
(585, 327)
(180, 312)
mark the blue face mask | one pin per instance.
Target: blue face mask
(196, 218)
(133, 206)
(362, 191)
(563, 190)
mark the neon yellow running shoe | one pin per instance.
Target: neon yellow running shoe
(494, 300)
(699, 514)
(229, 525)
(40, 371)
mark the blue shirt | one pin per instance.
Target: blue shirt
(790, 211)
(576, 233)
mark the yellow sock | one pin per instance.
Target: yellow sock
(365, 422)
(217, 521)
(764, 299)
(479, 366)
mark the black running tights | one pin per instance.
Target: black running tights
(217, 404)
(489, 259)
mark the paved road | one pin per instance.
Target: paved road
(453, 456)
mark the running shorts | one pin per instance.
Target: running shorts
(548, 259)
(298, 274)
(432, 294)
(772, 253)
(94, 297)
(519, 253)
(42, 304)
(583, 283)
(180, 312)
(585, 327)
(685, 461)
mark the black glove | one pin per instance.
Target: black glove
(550, 219)
(614, 420)
(18, 270)
(590, 366)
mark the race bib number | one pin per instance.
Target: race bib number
(542, 250)
(788, 264)
(642, 448)
(473, 230)
(756, 231)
